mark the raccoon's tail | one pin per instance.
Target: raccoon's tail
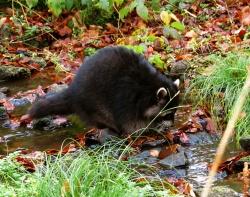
(58, 104)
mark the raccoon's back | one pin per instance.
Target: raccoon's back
(113, 68)
(115, 78)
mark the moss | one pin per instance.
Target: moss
(12, 72)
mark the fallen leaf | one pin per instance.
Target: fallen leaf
(229, 164)
(25, 119)
(27, 163)
(191, 34)
(165, 17)
(2, 21)
(7, 104)
(184, 138)
(64, 31)
(168, 150)
(211, 128)
(245, 15)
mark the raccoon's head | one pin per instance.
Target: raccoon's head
(166, 102)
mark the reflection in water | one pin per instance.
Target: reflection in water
(35, 139)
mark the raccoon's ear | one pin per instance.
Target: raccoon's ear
(161, 93)
(177, 83)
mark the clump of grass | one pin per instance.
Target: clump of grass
(221, 86)
(15, 180)
(95, 172)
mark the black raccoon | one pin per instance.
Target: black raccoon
(115, 89)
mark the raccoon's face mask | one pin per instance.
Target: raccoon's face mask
(165, 107)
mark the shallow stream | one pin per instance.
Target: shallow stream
(195, 173)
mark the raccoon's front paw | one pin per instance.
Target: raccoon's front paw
(106, 135)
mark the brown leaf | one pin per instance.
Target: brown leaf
(25, 119)
(184, 138)
(245, 15)
(51, 151)
(64, 31)
(111, 29)
(24, 60)
(191, 34)
(211, 128)
(69, 149)
(7, 104)
(168, 150)
(183, 186)
(27, 163)
(229, 164)
(169, 136)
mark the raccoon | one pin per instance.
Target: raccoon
(114, 89)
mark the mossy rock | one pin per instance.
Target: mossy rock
(12, 72)
(245, 143)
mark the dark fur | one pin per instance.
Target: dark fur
(116, 89)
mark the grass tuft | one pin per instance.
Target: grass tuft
(93, 172)
(219, 89)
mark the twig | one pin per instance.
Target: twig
(227, 134)
(118, 23)
(246, 180)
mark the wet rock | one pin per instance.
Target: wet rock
(49, 123)
(153, 143)
(177, 173)
(12, 72)
(178, 69)
(245, 143)
(172, 161)
(2, 95)
(144, 157)
(42, 122)
(19, 102)
(3, 114)
(201, 138)
(221, 191)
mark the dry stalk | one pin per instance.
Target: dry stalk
(246, 180)
(227, 134)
